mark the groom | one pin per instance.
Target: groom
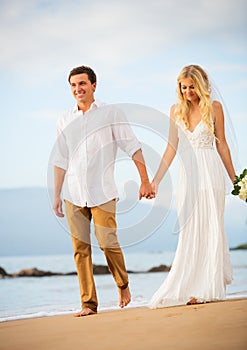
(86, 176)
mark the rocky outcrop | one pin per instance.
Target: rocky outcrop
(240, 247)
(35, 273)
(161, 268)
(40, 273)
(97, 270)
(100, 270)
(3, 273)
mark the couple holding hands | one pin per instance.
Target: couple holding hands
(87, 140)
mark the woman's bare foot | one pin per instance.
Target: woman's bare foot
(124, 297)
(85, 312)
(192, 301)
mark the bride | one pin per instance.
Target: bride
(201, 268)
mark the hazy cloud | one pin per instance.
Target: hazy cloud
(47, 34)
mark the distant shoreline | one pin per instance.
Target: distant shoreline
(240, 247)
(97, 270)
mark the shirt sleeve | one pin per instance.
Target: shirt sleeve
(60, 152)
(124, 135)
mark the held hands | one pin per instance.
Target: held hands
(58, 207)
(147, 190)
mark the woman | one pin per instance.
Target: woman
(201, 268)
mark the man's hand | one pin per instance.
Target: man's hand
(58, 207)
(146, 190)
(59, 174)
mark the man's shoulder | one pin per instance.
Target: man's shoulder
(113, 113)
(67, 117)
(112, 110)
(106, 111)
(68, 114)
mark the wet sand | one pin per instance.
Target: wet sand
(221, 325)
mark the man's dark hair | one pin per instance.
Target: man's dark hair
(83, 69)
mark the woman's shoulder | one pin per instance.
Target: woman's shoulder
(173, 114)
(173, 107)
(216, 105)
(217, 109)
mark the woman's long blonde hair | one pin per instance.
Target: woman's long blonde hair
(202, 88)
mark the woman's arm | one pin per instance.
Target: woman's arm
(170, 151)
(221, 143)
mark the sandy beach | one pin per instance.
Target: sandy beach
(221, 325)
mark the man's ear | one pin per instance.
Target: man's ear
(94, 86)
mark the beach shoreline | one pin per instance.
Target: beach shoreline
(217, 325)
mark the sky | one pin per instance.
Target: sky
(137, 49)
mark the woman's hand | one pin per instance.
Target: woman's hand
(154, 187)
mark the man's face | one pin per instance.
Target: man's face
(82, 88)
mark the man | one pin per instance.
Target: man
(88, 137)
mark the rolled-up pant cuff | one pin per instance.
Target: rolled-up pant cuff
(90, 306)
(124, 286)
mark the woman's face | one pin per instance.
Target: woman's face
(188, 90)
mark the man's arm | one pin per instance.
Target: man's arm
(59, 175)
(145, 188)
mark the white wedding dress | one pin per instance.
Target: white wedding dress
(201, 268)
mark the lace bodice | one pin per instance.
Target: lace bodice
(200, 137)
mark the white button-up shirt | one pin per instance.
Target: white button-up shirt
(86, 148)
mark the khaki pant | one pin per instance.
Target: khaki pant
(79, 219)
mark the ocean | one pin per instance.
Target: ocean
(46, 296)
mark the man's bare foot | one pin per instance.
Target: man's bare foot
(85, 312)
(124, 297)
(192, 301)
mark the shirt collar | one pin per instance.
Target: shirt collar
(95, 104)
